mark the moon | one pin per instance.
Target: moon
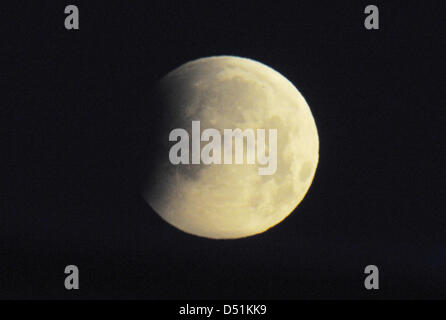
(228, 201)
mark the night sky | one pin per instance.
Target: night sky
(78, 112)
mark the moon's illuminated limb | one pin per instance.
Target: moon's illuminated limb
(232, 201)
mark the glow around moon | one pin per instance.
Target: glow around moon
(230, 200)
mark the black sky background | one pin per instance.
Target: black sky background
(77, 111)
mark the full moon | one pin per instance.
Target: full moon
(227, 201)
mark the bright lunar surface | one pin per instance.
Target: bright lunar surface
(226, 201)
